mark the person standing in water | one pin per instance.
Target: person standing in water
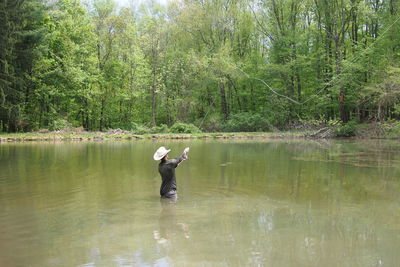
(166, 168)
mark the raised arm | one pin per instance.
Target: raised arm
(178, 160)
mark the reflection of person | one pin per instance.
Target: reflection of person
(166, 168)
(168, 222)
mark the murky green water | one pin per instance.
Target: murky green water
(276, 203)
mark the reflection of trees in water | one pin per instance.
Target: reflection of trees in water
(359, 153)
(226, 180)
(295, 184)
(305, 235)
(300, 169)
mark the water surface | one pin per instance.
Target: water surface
(255, 203)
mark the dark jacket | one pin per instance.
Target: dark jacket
(166, 168)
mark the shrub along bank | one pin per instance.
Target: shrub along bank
(386, 130)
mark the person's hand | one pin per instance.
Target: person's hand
(186, 151)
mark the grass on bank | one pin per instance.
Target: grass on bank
(387, 130)
(130, 136)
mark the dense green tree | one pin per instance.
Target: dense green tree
(21, 32)
(64, 76)
(220, 64)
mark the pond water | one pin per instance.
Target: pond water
(254, 203)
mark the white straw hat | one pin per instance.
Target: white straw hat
(160, 153)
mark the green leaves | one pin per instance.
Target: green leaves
(103, 66)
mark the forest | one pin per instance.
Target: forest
(218, 65)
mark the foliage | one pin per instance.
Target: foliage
(60, 124)
(247, 122)
(139, 129)
(180, 127)
(346, 130)
(392, 129)
(21, 33)
(384, 95)
(223, 65)
(163, 128)
(211, 124)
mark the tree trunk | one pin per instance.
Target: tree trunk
(102, 116)
(153, 106)
(236, 93)
(224, 107)
(344, 114)
(298, 85)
